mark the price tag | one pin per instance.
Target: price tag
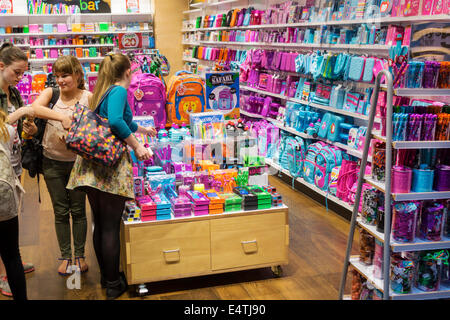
(130, 40)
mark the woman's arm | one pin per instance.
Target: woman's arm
(20, 113)
(41, 109)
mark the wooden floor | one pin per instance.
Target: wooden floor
(317, 248)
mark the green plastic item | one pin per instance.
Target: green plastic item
(92, 52)
(26, 29)
(104, 26)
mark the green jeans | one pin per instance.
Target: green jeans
(66, 203)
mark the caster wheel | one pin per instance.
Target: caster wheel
(141, 290)
(277, 271)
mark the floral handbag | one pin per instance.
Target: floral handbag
(91, 137)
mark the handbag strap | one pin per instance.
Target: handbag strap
(97, 109)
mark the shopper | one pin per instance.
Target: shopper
(108, 188)
(13, 64)
(10, 202)
(58, 161)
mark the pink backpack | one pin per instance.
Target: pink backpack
(147, 97)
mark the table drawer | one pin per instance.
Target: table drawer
(169, 250)
(248, 240)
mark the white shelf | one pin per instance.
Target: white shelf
(437, 144)
(336, 47)
(434, 195)
(220, 3)
(49, 60)
(417, 245)
(311, 186)
(187, 43)
(312, 104)
(6, 35)
(421, 92)
(387, 20)
(74, 46)
(416, 294)
(190, 59)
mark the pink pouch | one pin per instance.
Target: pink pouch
(53, 53)
(34, 28)
(284, 55)
(39, 54)
(62, 27)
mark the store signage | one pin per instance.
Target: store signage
(222, 92)
(84, 6)
(130, 40)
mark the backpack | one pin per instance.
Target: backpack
(185, 95)
(328, 158)
(309, 164)
(32, 148)
(225, 99)
(147, 97)
(10, 187)
(295, 153)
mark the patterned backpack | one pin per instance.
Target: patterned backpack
(185, 95)
(147, 97)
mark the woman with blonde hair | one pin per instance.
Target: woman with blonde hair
(11, 194)
(58, 161)
(108, 188)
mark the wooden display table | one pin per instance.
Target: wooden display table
(201, 245)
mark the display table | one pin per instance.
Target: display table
(201, 245)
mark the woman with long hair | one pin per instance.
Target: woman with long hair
(108, 188)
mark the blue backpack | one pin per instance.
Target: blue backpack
(328, 158)
(309, 164)
(295, 155)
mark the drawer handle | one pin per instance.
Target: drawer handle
(250, 246)
(172, 256)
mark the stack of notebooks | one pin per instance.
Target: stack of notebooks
(215, 201)
(264, 198)
(249, 200)
(181, 206)
(200, 202)
(163, 206)
(233, 202)
(148, 208)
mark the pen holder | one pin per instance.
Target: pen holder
(401, 179)
(442, 178)
(422, 180)
(379, 161)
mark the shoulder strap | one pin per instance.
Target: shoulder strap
(55, 97)
(104, 97)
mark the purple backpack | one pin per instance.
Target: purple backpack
(147, 97)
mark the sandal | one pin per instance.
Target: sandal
(69, 263)
(85, 266)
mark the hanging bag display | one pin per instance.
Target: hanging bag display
(91, 137)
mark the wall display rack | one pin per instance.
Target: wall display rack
(389, 244)
(100, 24)
(198, 34)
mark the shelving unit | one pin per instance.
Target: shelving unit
(389, 245)
(25, 19)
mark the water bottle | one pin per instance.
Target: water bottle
(162, 131)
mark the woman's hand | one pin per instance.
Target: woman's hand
(142, 153)
(151, 131)
(29, 127)
(66, 122)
